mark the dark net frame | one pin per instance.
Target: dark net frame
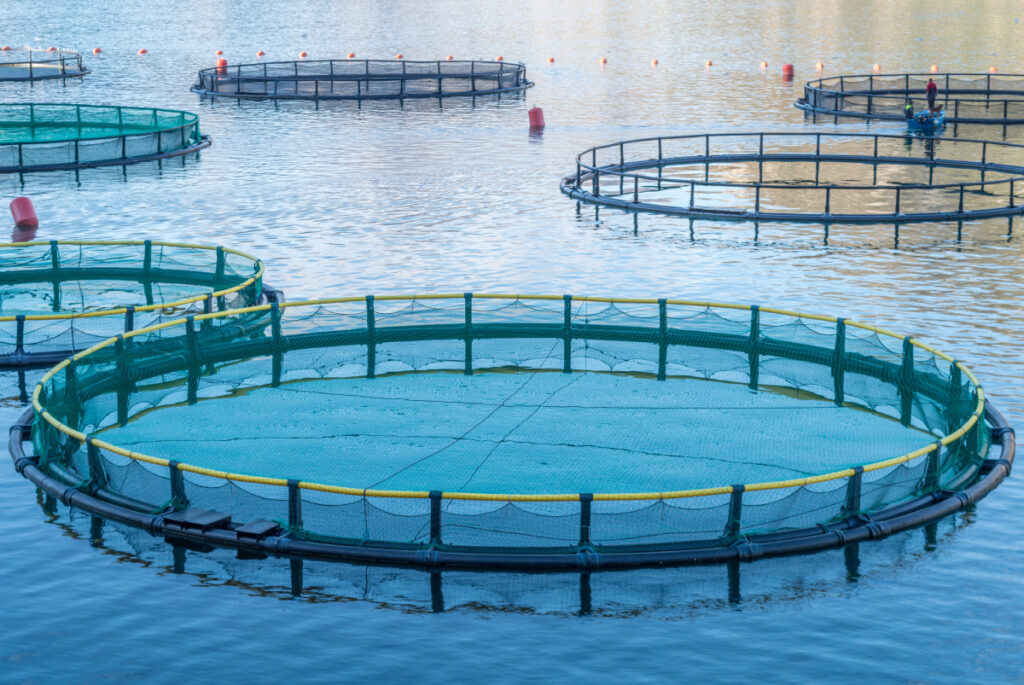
(967, 98)
(350, 79)
(231, 279)
(853, 363)
(163, 133)
(40, 64)
(619, 175)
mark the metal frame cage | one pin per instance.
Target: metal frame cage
(161, 133)
(620, 174)
(39, 64)
(348, 79)
(967, 98)
(850, 363)
(223, 279)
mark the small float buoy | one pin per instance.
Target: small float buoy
(499, 58)
(222, 66)
(934, 68)
(51, 49)
(764, 64)
(399, 56)
(876, 68)
(654, 62)
(23, 212)
(604, 60)
(143, 51)
(707, 63)
(551, 60)
(351, 55)
(818, 66)
(993, 70)
(96, 51)
(787, 72)
(303, 55)
(260, 53)
(6, 48)
(450, 57)
(218, 53)
(536, 118)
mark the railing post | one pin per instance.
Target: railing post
(828, 200)
(754, 345)
(960, 207)
(179, 499)
(896, 209)
(586, 500)
(277, 353)
(851, 505)
(839, 362)
(734, 522)
(567, 334)
(97, 476)
(294, 506)
(435, 518)
(933, 468)
(906, 384)
(662, 337)
(468, 369)
(193, 358)
(371, 344)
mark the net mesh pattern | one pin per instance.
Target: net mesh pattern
(362, 79)
(32, 64)
(536, 352)
(70, 288)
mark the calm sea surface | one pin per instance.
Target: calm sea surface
(343, 200)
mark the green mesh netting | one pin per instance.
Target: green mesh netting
(65, 296)
(515, 397)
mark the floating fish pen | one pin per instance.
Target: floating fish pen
(513, 431)
(966, 98)
(28, 64)
(804, 177)
(60, 297)
(349, 79)
(53, 137)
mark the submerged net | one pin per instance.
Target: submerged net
(46, 135)
(58, 297)
(513, 423)
(362, 79)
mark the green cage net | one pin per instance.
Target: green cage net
(504, 425)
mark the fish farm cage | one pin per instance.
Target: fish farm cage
(53, 137)
(484, 431)
(966, 98)
(804, 177)
(349, 79)
(60, 297)
(28, 64)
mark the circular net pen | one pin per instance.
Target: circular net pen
(28, 64)
(966, 98)
(804, 177)
(53, 137)
(334, 79)
(60, 297)
(516, 431)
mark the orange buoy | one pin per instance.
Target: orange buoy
(787, 72)
(499, 58)
(877, 68)
(536, 118)
(51, 49)
(23, 212)
(399, 56)
(707, 63)
(993, 70)
(764, 64)
(935, 68)
(143, 51)
(6, 48)
(222, 66)
(351, 55)
(818, 66)
(96, 51)
(260, 53)
(218, 53)
(604, 60)
(551, 60)
(654, 62)
(303, 55)
(450, 57)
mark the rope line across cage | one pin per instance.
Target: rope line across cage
(512, 365)
(803, 177)
(348, 79)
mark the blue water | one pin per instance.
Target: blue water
(346, 200)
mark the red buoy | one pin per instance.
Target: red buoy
(143, 51)
(6, 48)
(218, 53)
(399, 56)
(351, 55)
(551, 60)
(23, 212)
(260, 53)
(536, 118)
(787, 72)
(222, 66)
(96, 51)
(51, 49)
(450, 57)
(303, 55)
(499, 58)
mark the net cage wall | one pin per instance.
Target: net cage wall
(60, 297)
(347, 79)
(850, 367)
(803, 177)
(47, 137)
(37, 64)
(966, 98)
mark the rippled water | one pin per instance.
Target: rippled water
(382, 198)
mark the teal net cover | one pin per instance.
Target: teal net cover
(512, 423)
(39, 136)
(58, 297)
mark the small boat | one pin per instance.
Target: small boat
(927, 122)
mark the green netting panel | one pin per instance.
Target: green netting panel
(531, 406)
(66, 296)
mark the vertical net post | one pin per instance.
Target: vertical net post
(468, 368)
(734, 522)
(179, 499)
(19, 335)
(192, 347)
(371, 344)
(933, 468)
(586, 500)
(124, 385)
(953, 413)
(54, 256)
(839, 362)
(851, 505)
(277, 352)
(567, 335)
(294, 506)
(662, 337)
(754, 345)
(97, 476)
(435, 518)
(129, 318)
(219, 274)
(206, 324)
(906, 382)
